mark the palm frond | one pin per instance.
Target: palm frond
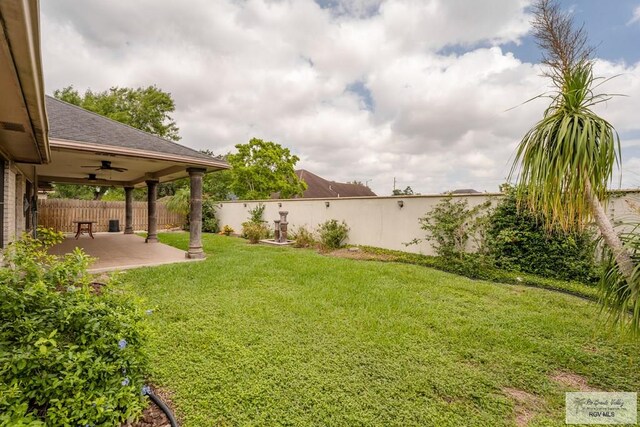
(620, 297)
(570, 144)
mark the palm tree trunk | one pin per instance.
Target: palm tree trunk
(611, 238)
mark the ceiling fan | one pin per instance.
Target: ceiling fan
(106, 166)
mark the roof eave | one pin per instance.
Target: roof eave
(130, 152)
(24, 39)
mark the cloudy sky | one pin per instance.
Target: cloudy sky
(416, 90)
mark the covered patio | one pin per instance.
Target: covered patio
(89, 149)
(121, 252)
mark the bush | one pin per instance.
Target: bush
(256, 214)
(226, 230)
(333, 234)
(180, 203)
(517, 241)
(450, 224)
(254, 231)
(69, 354)
(303, 238)
(210, 222)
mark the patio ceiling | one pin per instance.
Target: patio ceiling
(68, 161)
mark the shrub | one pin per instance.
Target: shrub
(303, 238)
(210, 222)
(226, 230)
(69, 354)
(180, 203)
(333, 234)
(256, 214)
(450, 224)
(254, 231)
(517, 241)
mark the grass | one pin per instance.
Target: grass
(475, 267)
(258, 335)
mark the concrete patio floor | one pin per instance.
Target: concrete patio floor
(118, 251)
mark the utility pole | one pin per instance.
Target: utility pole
(394, 183)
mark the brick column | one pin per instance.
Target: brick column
(152, 222)
(195, 214)
(128, 210)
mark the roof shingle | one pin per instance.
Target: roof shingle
(318, 187)
(73, 123)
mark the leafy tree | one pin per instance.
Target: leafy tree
(147, 109)
(565, 161)
(68, 191)
(218, 185)
(406, 192)
(261, 168)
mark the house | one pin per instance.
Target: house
(45, 141)
(320, 188)
(464, 191)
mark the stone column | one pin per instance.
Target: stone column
(128, 210)
(195, 214)
(152, 213)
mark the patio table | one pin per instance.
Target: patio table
(84, 226)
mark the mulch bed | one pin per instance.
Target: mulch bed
(153, 416)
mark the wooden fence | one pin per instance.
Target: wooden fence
(59, 214)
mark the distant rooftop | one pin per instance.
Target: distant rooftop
(465, 191)
(318, 187)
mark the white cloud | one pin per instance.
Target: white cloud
(635, 18)
(279, 70)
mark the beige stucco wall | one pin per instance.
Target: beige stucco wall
(379, 221)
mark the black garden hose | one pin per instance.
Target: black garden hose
(146, 390)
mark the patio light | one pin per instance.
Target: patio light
(400, 203)
(327, 204)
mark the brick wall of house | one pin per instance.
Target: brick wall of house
(9, 213)
(14, 189)
(19, 203)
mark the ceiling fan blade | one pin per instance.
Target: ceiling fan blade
(87, 166)
(119, 169)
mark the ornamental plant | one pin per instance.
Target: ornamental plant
(227, 230)
(450, 225)
(71, 353)
(333, 234)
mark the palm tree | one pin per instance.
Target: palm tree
(565, 162)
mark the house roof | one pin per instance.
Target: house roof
(69, 122)
(465, 191)
(318, 187)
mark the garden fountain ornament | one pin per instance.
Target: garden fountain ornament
(280, 232)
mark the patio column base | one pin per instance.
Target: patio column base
(194, 253)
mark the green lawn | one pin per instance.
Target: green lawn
(259, 335)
